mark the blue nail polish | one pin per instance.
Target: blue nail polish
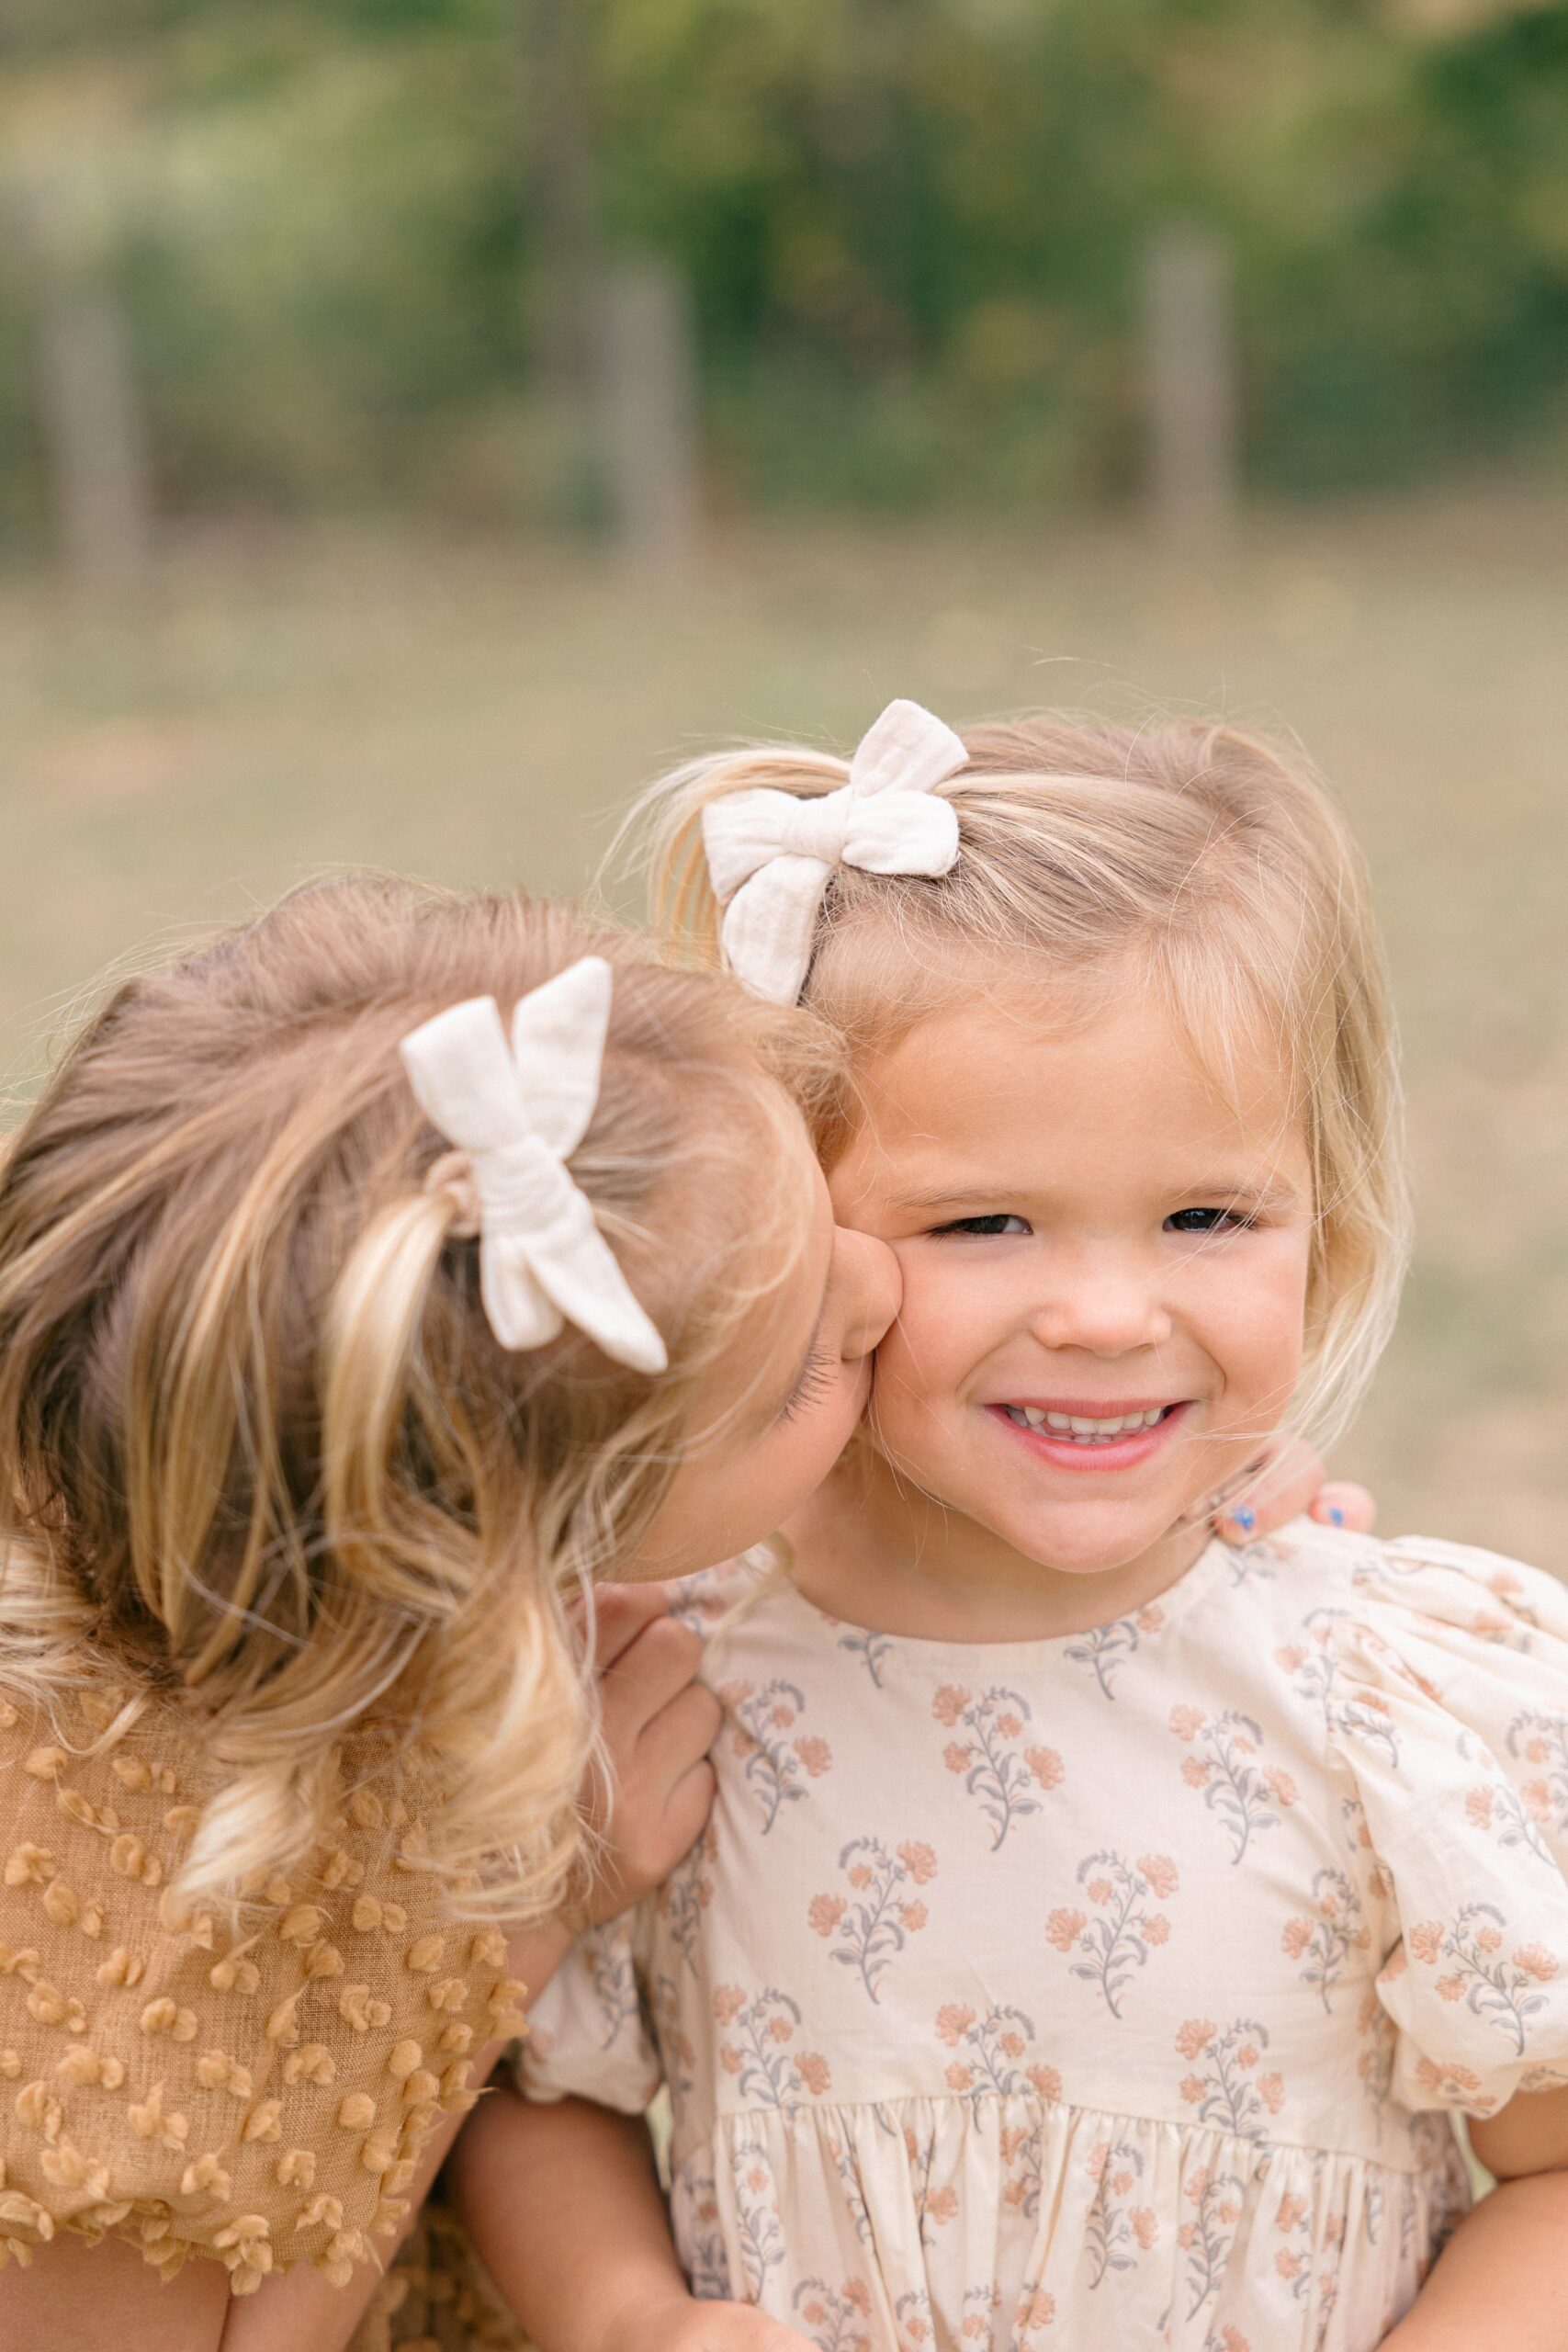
(1336, 1515)
(1244, 1517)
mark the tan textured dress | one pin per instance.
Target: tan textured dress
(251, 2087)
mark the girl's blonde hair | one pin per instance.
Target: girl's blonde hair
(259, 1450)
(1205, 855)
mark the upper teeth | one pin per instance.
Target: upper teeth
(1081, 1427)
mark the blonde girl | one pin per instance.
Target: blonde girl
(370, 1281)
(1097, 1933)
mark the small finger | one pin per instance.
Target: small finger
(1344, 1504)
(656, 1664)
(680, 1735)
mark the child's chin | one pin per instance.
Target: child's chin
(1096, 1539)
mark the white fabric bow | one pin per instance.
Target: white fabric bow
(515, 1113)
(770, 855)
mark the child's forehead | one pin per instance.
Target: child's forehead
(1024, 1083)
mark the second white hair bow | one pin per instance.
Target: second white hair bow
(516, 1112)
(770, 855)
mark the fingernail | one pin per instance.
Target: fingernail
(1244, 1517)
(1336, 1515)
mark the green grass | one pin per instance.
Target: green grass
(478, 713)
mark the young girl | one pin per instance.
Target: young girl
(345, 1333)
(1096, 1931)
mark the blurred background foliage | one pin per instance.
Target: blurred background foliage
(909, 228)
(301, 306)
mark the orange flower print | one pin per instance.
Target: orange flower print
(1224, 2085)
(1217, 2199)
(1542, 1740)
(757, 2048)
(757, 2221)
(994, 1771)
(1115, 1942)
(913, 2314)
(834, 2319)
(1064, 1928)
(1117, 2228)
(1292, 2261)
(868, 1935)
(1246, 1797)
(1504, 1991)
(773, 1762)
(994, 2045)
(1046, 1766)
(1511, 1815)
(1325, 1939)
(1036, 2309)
(694, 2211)
(1021, 2154)
(1447, 2082)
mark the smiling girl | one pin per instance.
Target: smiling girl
(1097, 1930)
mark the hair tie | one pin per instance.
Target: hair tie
(514, 1113)
(771, 856)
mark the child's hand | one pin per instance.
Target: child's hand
(682, 2325)
(658, 1724)
(1288, 1481)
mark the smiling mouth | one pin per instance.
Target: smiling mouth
(1086, 1428)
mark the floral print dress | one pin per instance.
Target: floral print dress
(1111, 1990)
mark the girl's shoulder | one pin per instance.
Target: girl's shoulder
(250, 2082)
(1447, 1645)
(1422, 1582)
(1356, 1578)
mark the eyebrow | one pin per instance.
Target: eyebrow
(1247, 1194)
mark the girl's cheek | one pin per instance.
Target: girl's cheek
(1256, 1323)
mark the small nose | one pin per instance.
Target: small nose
(1102, 1304)
(873, 1289)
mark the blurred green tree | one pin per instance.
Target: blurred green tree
(345, 231)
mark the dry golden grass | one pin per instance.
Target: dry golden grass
(478, 714)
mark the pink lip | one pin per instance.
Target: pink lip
(1119, 1453)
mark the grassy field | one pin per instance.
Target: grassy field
(478, 713)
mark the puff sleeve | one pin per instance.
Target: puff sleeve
(1448, 1709)
(588, 2033)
